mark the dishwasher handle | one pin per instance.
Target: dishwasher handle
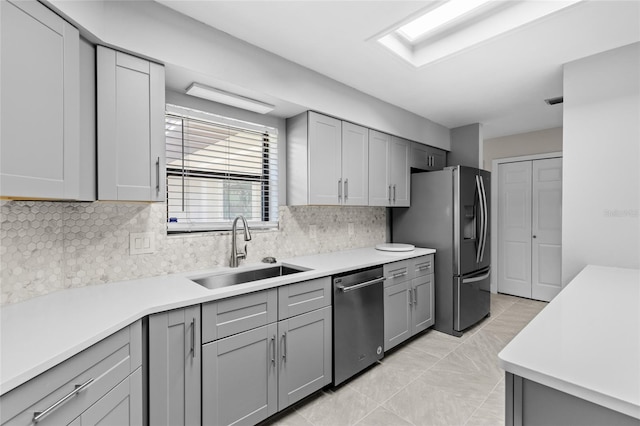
(357, 286)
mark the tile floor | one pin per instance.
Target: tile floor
(434, 379)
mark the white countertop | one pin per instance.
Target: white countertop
(586, 342)
(39, 333)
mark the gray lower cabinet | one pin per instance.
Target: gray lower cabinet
(102, 382)
(304, 359)
(408, 299)
(529, 403)
(121, 406)
(174, 367)
(239, 378)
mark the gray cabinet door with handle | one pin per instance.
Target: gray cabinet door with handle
(304, 355)
(174, 367)
(422, 303)
(239, 378)
(397, 314)
(131, 142)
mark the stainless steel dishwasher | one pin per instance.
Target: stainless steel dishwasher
(358, 321)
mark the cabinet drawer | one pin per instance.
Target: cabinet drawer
(101, 367)
(396, 272)
(237, 314)
(299, 298)
(423, 266)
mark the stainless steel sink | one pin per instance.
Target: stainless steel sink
(240, 277)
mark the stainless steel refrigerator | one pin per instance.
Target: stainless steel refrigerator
(450, 213)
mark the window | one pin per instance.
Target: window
(219, 168)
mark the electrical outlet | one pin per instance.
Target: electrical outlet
(141, 243)
(313, 232)
(351, 229)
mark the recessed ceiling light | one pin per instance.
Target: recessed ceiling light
(228, 98)
(436, 18)
(456, 25)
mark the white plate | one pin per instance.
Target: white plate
(395, 247)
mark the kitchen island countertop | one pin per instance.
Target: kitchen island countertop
(586, 342)
(39, 333)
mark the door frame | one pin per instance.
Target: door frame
(494, 205)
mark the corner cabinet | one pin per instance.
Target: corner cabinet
(174, 367)
(40, 111)
(388, 170)
(327, 161)
(131, 142)
(427, 158)
(100, 385)
(408, 299)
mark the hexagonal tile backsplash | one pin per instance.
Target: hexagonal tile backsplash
(47, 246)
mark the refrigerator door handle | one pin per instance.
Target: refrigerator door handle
(485, 215)
(476, 279)
(479, 238)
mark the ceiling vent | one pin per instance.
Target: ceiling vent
(554, 101)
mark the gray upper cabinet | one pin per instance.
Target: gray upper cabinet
(40, 111)
(327, 161)
(131, 143)
(174, 367)
(388, 170)
(427, 158)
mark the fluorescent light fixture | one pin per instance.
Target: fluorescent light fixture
(228, 98)
(438, 17)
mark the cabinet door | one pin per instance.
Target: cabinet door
(379, 177)
(239, 379)
(400, 176)
(419, 156)
(39, 81)
(437, 158)
(121, 406)
(355, 165)
(397, 314)
(304, 355)
(422, 303)
(131, 141)
(325, 165)
(174, 367)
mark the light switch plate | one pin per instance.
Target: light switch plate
(141, 243)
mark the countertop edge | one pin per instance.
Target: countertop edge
(197, 295)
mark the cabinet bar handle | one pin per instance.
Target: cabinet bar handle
(193, 338)
(389, 194)
(39, 415)
(415, 296)
(402, 274)
(339, 190)
(158, 176)
(284, 341)
(424, 268)
(273, 350)
(394, 193)
(346, 189)
(410, 298)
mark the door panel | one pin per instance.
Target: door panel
(422, 314)
(546, 274)
(514, 224)
(397, 314)
(379, 177)
(355, 164)
(325, 135)
(400, 173)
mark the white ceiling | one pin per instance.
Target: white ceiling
(501, 83)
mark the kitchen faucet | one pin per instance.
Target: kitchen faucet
(235, 254)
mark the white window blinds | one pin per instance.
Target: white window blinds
(219, 168)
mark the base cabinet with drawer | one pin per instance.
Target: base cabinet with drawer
(258, 358)
(408, 299)
(174, 367)
(103, 382)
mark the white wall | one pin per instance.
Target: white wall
(530, 143)
(157, 32)
(601, 138)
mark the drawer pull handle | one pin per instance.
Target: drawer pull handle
(39, 415)
(402, 274)
(423, 268)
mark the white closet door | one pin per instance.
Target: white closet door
(514, 227)
(547, 229)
